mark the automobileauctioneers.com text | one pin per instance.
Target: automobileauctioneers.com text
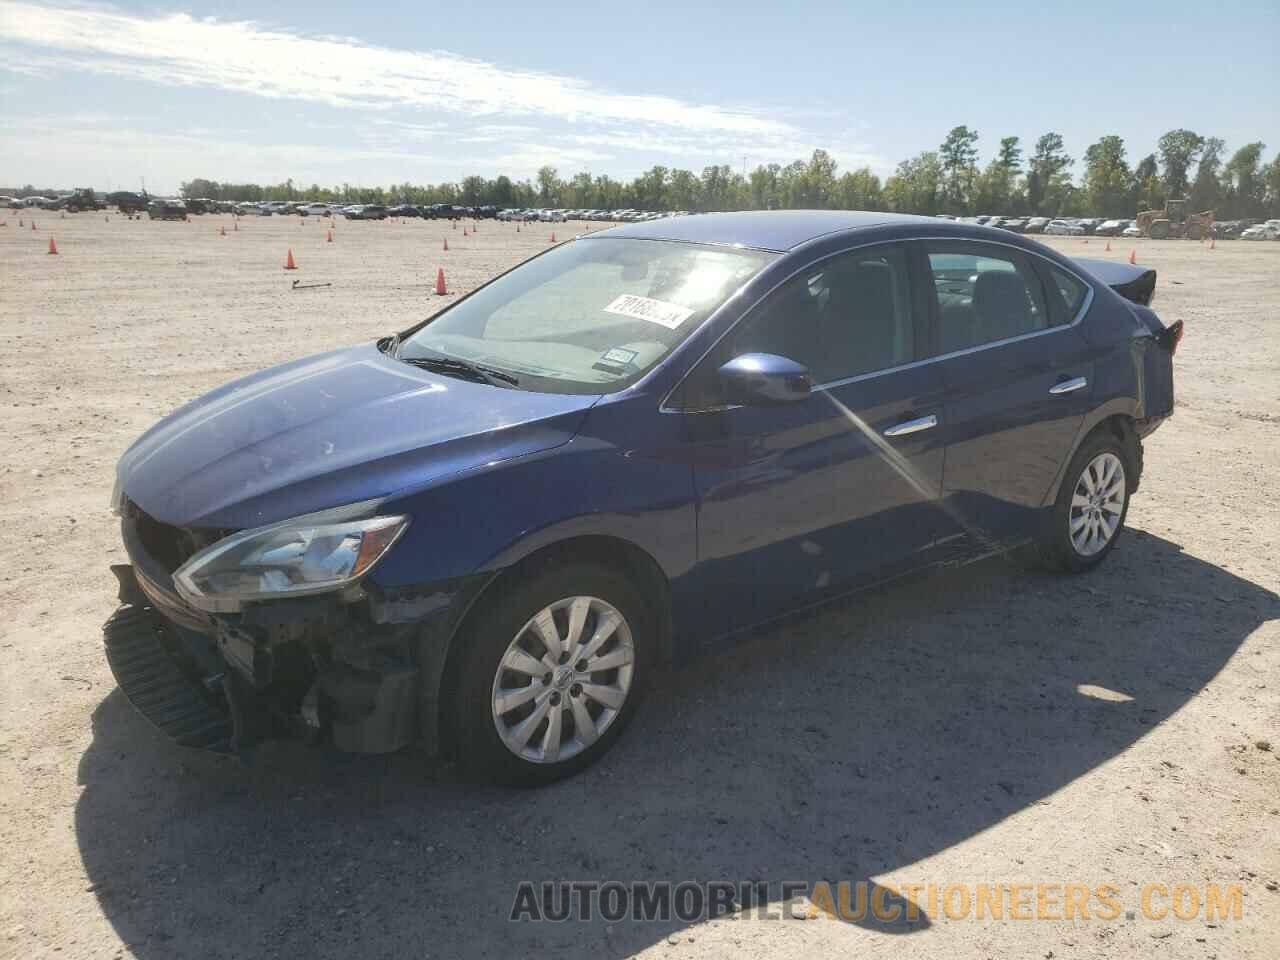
(691, 901)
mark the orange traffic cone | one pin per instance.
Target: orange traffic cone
(289, 264)
(440, 290)
(222, 231)
(329, 237)
(464, 231)
(33, 224)
(53, 247)
(1133, 256)
(553, 236)
(1108, 246)
(446, 244)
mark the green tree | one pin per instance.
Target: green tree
(200, 187)
(996, 188)
(1272, 177)
(1206, 189)
(1244, 181)
(549, 186)
(683, 191)
(1047, 177)
(959, 157)
(859, 190)
(717, 187)
(1178, 150)
(818, 184)
(916, 185)
(1107, 178)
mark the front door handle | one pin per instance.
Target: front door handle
(912, 426)
(1069, 386)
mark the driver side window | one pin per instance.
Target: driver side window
(845, 316)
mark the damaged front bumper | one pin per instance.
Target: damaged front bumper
(362, 674)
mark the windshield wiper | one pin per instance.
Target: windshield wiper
(455, 365)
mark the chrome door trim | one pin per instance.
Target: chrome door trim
(664, 407)
(1069, 386)
(912, 426)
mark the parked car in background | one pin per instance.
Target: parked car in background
(404, 210)
(317, 208)
(365, 211)
(1064, 228)
(1036, 225)
(166, 210)
(486, 541)
(1132, 230)
(1111, 228)
(1263, 231)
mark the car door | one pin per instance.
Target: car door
(1018, 379)
(842, 486)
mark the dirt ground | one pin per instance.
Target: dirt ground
(989, 726)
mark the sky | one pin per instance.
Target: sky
(110, 96)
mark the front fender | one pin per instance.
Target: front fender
(488, 519)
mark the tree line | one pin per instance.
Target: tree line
(946, 180)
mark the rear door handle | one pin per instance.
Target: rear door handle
(1069, 386)
(912, 426)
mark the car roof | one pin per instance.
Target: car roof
(777, 230)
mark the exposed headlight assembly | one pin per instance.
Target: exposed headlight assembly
(316, 553)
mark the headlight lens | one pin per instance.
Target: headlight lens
(307, 555)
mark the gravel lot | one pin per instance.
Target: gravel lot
(958, 732)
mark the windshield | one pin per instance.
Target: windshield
(588, 317)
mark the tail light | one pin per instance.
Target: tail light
(1171, 336)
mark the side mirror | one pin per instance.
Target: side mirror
(765, 380)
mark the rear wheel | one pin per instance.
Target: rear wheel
(553, 671)
(1159, 230)
(1091, 507)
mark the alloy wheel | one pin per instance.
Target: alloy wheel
(1097, 504)
(563, 679)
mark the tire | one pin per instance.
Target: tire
(595, 595)
(1066, 546)
(1159, 230)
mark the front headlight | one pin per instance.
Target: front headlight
(307, 555)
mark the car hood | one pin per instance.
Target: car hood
(328, 430)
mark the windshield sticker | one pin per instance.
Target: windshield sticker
(669, 315)
(618, 355)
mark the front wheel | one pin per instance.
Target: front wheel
(1091, 507)
(553, 670)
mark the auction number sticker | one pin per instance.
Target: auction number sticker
(669, 315)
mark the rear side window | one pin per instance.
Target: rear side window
(985, 294)
(1066, 295)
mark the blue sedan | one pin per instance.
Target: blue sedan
(484, 534)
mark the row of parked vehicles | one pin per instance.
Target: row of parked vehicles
(1054, 226)
(1157, 224)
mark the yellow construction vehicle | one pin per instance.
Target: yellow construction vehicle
(1174, 221)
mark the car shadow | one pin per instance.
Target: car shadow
(842, 746)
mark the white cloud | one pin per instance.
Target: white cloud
(241, 56)
(429, 115)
